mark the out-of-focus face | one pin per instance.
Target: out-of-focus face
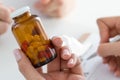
(55, 8)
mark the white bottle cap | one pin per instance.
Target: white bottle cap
(20, 11)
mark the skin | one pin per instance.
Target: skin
(5, 19)
(64, 60)
(55, 8)
(110, 27)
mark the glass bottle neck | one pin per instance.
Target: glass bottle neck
(22, 17)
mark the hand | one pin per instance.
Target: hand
(55, 8)
(5, 19)
(110, 27)
(65, 67)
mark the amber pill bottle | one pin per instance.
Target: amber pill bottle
(31, 37)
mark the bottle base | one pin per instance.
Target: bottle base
(45, 62)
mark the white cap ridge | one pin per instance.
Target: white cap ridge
(20, 11)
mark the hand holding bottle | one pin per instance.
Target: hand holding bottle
(65, 67)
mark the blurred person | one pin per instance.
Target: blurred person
(55, 8)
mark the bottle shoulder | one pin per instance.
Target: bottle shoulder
(36, 18)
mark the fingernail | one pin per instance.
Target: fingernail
(17, 55)
(66, 52)
(71, 61)
(57, 41)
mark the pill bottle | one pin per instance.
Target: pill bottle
(31, 37)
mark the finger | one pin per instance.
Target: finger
(57, 41)
(66, 65)
(113, 64)
(106, 59)
(107, 27)
(63, 65)
(109, 49)
(117, 24)
(25, 66)
(65, 56)
(55, 64)
(5, 14)
(39, 70)
(72, 61)
(117, 72)
(118, 61)
(3, 27)
(65, 53)
(104, 31)
(75, 65)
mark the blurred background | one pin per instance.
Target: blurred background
(81, 20)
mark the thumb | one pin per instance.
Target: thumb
(109, 49)
(26, 67)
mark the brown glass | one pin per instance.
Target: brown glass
(33, 40)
